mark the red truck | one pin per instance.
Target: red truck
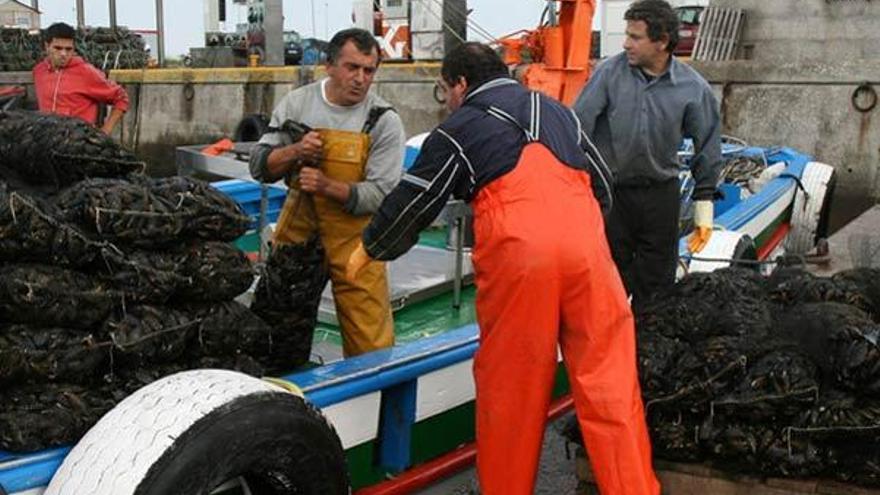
(689, 17)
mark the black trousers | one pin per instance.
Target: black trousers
(642, 230)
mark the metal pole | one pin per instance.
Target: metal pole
(552, 16)
(273, 30)
(459, 226)
(264, 205)
(160, 27)
(113, 14)
(80, 14)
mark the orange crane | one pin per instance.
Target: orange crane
(559, 49)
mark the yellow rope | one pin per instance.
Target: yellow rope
(286, 385)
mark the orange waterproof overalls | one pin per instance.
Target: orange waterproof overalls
(545, 277)
(362, 306)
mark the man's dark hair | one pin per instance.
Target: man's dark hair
(660, 18)
(475, 62)
(363, 40)
(60, 30)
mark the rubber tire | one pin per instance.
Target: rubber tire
(250, 128)
(823, 228)
(745, 250)
(188, 433)
(809, 220)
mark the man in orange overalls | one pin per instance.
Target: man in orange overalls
(544, 274)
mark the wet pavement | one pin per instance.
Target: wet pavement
(556, 473)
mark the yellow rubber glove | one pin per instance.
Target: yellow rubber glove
(703, 216)
(356, 262)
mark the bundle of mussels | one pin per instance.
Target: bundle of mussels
(110, 279)
(772, 376)
(108, 48)
(105, 48)
(19, 50)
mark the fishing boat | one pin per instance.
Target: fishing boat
(405, 415)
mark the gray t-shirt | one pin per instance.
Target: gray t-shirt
(309, 105)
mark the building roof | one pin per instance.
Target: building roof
(6, 2)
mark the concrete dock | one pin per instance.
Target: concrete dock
(863, 229)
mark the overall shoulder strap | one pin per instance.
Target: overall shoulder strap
(373, 117)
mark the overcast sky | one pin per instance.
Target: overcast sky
(184, 19)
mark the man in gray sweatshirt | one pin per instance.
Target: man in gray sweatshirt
(338, 174)
(637, 107)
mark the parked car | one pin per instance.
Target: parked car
(314, 51)
(689, 17)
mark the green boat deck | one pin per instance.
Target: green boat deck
(415, 321)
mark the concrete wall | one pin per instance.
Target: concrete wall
(174, 107)
(802, 62)
(171, 108)
(792, 31)
(807, 106)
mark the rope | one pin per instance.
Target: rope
(445, 24)
(479, 30)
(99, 159)
(743, 261)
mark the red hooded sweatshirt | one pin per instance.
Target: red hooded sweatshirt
(76, 90)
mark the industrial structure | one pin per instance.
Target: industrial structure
(14, 14)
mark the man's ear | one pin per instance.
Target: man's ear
(664, 38)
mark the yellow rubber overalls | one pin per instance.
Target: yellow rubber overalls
(362, 307)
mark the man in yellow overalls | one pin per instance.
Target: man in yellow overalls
(339, 174)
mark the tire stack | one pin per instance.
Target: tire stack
(109, 280)
(775, 376)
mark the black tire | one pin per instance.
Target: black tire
(806, 217)
(251, 128)
(745, 250)
(279, 445)
(824, 226)
(191, 432)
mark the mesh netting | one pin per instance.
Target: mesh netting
(287, 298)
(30, 230)
(29, 354)
(215, 271)
(52, 296)
(47, 149)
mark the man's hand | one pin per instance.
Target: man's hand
(111, 121)
(703, 220)
(306, 151)
(312, 180)
(356, 262)
(310, 148)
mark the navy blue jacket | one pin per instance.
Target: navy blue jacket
(478, 143)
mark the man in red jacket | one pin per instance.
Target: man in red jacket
(68, 85)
